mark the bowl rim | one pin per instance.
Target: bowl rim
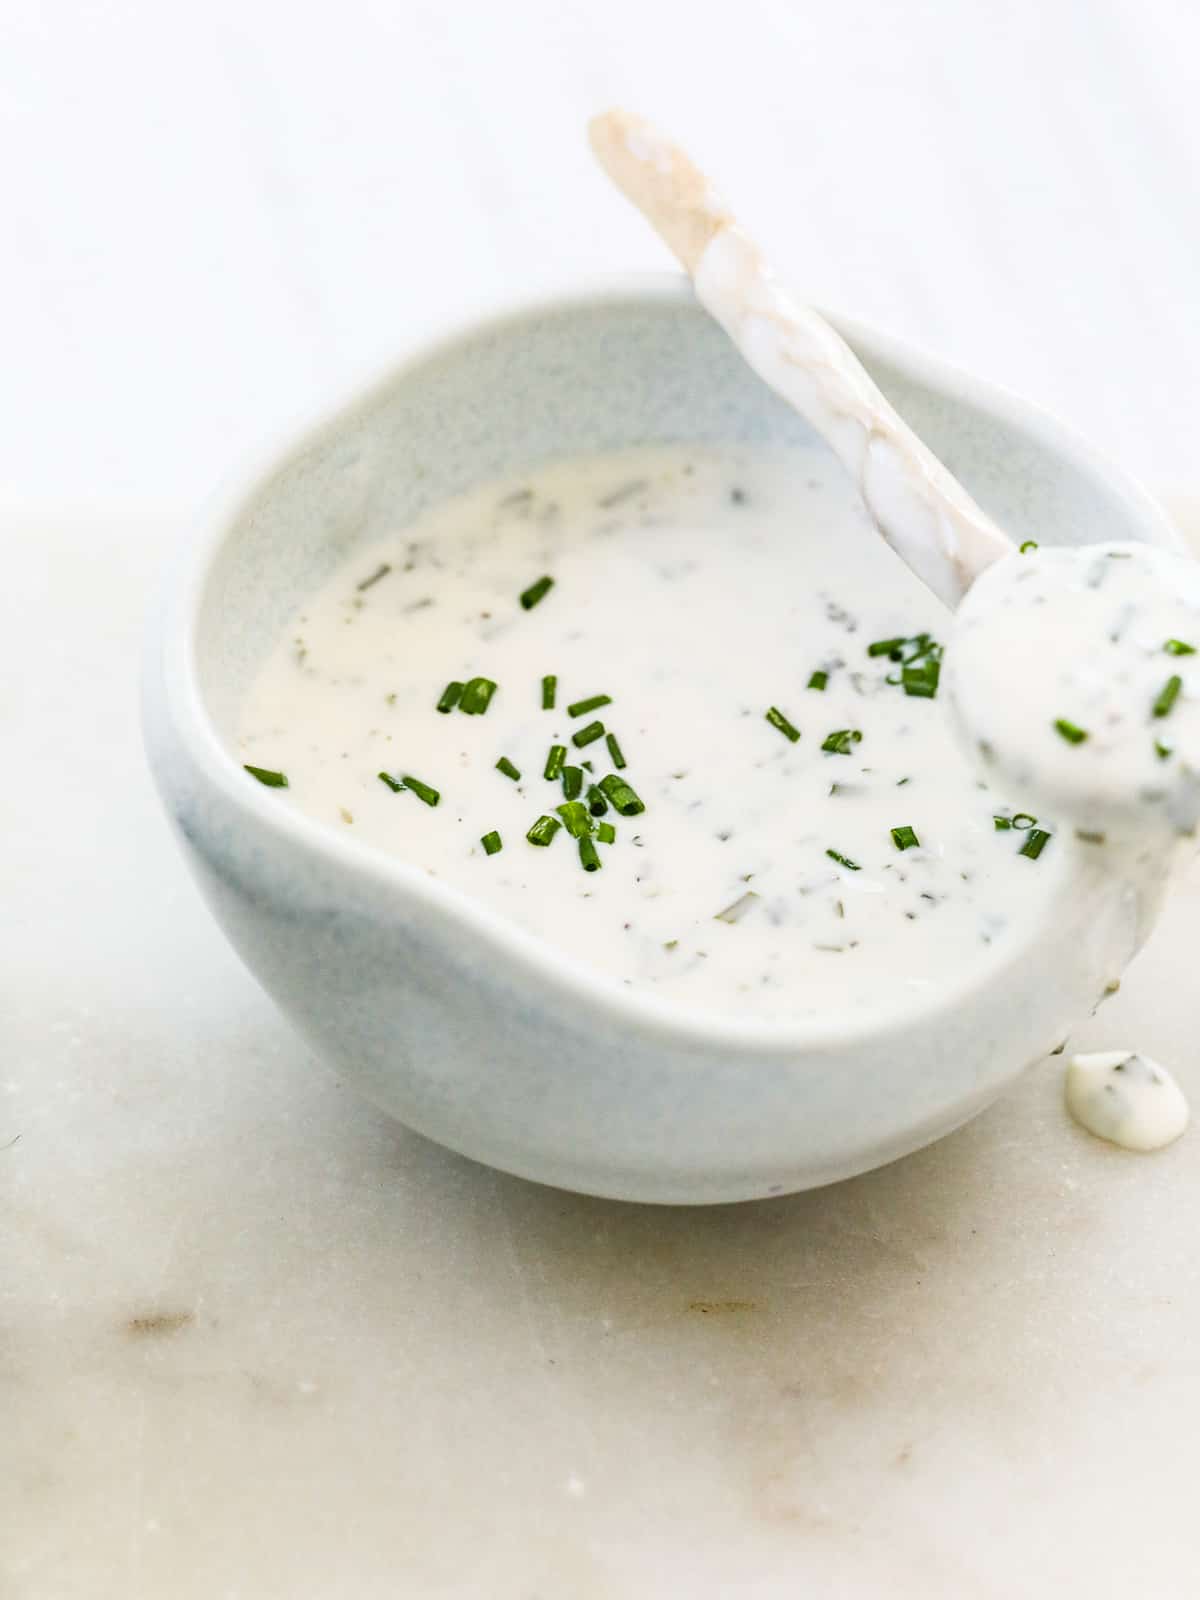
(173, 657)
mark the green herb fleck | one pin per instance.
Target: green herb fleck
(597, 804)
(777, 720)
(421, 790)
(621, 796)
(554, 761)
(904, 838)
(543, 830)
(588, 735)
(843, 861)
(616, 754)
(589, 857)
(393, 785)
(1034, 844)
(477, 696)
(1022, 821)
(505, 766)
(1002, 824)
(1176, 647)
(921, 679)
(606, 833)
(451, 695)
(841, 741)
(1168, 697)
(576, 818)
(818, 680)
(549, 690)
(1029, 544)
(1163, 751)
(580, 708)
(572, 781)
(492, 843)
(1070, 731)
(272, 780)
(886, 647)
(535, 592)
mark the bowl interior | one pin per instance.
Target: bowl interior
(637, 366)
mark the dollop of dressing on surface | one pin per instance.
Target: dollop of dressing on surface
(855, 869)
(1126, 1098)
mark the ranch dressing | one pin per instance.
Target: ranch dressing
(1126, 1098)
(698, 589)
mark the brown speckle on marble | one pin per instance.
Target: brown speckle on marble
(155, 1324)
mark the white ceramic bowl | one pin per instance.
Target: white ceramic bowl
(463, 1026)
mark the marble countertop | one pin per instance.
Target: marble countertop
(255, 1339)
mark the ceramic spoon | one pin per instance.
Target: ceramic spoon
(1061, 661)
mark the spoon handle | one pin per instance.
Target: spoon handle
(918, 506)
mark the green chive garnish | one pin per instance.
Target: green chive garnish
(621, 796)
(421, 790)
(543, 830)
(885, 647)
(451, 695)
(588, 735)
(841, 741)
(580, 708)
(616, 754)
(576, 818)
(273, 780)
(477, 696)
(535, 592)
(1034, 844)
(1168, 697)
(572, 778)
(777, 720)
(904, 838)
(505, 766)
(588, 856)
(1023, 821)
(606, 833)
(549, 689)
(386, 777)
(597, 804)
(921, 679)
(1163, 751)
(1002, 824)
(1070, 732)
(554, 761)
(818, 680)
(492, 843)
(1030, 544)
(843, 861)
(1176, 647)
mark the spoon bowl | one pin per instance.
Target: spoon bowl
(468, 1029)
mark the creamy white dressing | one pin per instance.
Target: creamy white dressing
(698, 589)
(1125, 1098)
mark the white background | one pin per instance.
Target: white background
(255, 1340)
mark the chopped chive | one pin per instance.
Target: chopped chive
(580, 708)
(735, 912)
(577, 819)
(554, 761)
(421, 790)
(588, 735)
(588, 856)
(606, 833)
(543, 830)
(549, 690)
(1163, 751)
(843, 861)
(818, 680)
(505, 766)
(386, 777)
(381, 571)
(1176, 647)
(272, 780)
(841, 741)
(535, 592)
(572, 778)
(777, 720)
(1022, 821)
(477, 696)
(1070, 732)
(904, 838)
(597, 804)
(1034, 844)
(621, 796)
(451, 695)
(586, 765)
(1029, 544)
(1002, 824)
(1168, 697)
(616, 754)
(885, 647)
(492, 843)
(921, 679)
